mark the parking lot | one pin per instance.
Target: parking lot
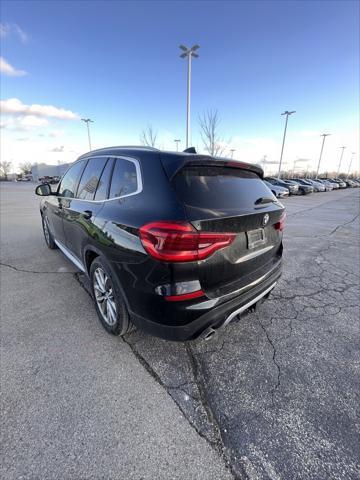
(273, 396)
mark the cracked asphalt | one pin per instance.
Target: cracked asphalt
(273, 396)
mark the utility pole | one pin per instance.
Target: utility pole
(341, 156)
(189, 53)
(351, 159)
(177, 140)
(87, 121)
(324, 135)
(287, 113)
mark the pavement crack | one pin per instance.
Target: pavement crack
(24, 270)
(277, 365)
(168, 389)
(343, 224)
(218, 443)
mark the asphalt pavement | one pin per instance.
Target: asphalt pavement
(273, 396)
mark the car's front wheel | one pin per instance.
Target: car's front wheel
(108, 297)
(47, 234)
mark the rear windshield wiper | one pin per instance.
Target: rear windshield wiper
(264, 200)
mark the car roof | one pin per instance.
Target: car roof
(172, 161)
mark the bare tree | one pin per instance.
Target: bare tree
(25, 167)
(209, 130)
(5, 168)
(148, 136)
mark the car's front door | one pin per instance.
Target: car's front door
(54, 203)
(79, 213)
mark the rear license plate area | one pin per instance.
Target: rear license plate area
(255, 238)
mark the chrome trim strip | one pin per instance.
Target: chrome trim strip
(70, 256)
(249, 285)
(135, 161)
(247, 305)
(251, 255)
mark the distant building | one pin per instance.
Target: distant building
(40, 170)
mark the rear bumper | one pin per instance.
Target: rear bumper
(214, 317)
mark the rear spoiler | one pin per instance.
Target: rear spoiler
(174, 163)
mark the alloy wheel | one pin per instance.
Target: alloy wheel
(104, 296)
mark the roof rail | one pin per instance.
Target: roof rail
(138, 147)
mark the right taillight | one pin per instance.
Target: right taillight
(181, 242)
(281, 223)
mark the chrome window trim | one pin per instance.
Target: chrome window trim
(135, 161)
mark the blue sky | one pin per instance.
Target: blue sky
(118, 63)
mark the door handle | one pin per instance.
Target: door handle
(87, 214)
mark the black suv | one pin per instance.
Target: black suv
(176, 243)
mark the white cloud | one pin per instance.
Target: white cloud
(57, 149)
(14, 106)
(24, 122)
(9, 70)
(7, 29)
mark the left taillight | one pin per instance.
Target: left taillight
(181, 242)
(280, 225)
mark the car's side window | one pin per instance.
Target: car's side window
(104, 182)
(124, 179)
(69, 182)
(90, 178)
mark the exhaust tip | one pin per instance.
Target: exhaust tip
(209, 334)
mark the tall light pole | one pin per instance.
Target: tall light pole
(189, 53)
(232, 150)
(87, 121)
(351, 159)
(324, 135)
(341, 156)
(177, 141)
(287, 113)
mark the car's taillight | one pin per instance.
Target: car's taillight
(181, 242)
(281, 223)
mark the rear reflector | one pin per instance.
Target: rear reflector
(281, 223)
(181, 242)
(185, 296)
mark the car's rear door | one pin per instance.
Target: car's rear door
(232, 200)
(81, 211)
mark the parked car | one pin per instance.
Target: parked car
(303, 189)
(303, 181)
(276, 190)
(328, 186)
(318, 186)
(335, 185)
(340, 182)
(49, 179)
(350, 183)
(176, 243)
(293, 189)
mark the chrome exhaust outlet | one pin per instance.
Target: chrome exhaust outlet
(247, 305)
(210, 332)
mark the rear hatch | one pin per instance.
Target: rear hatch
(230, 197)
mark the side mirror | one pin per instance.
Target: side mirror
(43, 190)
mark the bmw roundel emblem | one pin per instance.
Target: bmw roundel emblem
(265, 219)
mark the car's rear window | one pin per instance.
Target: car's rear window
(218, 187)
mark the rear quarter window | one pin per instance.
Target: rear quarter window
(124, 178)
(218, 188)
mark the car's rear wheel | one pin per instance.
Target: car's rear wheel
(109, 300)
(47, 234)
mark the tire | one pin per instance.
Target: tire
(111, 310)
(49, 239)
